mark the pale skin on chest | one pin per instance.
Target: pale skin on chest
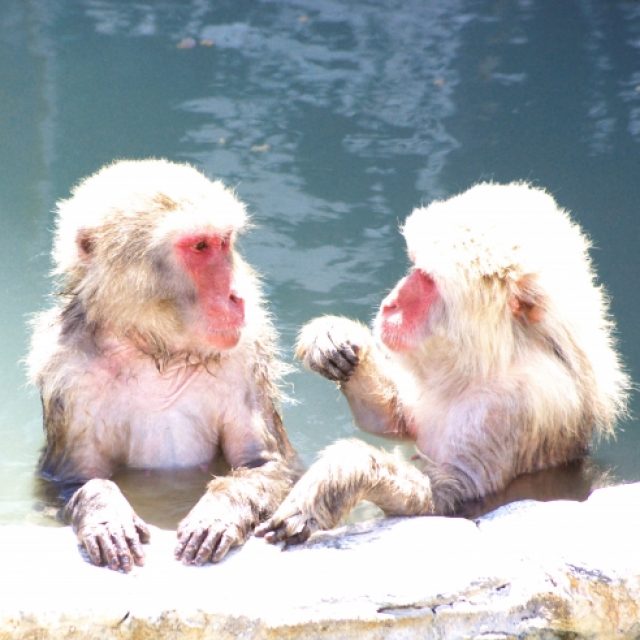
(167, 419)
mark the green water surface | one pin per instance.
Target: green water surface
(332, 119)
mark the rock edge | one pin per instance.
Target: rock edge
(558, 569)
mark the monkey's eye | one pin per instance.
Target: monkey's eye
(201, 245)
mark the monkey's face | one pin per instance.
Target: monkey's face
(207, 259)
(147, 246)
(403, 320)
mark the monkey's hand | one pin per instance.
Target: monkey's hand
(211, 529)
(326, 493)
(345, 473)
(333, 346)
(303, 512)
(106, 525)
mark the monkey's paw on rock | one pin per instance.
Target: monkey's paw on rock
(210, 530)
(108, 529)
(294, 528)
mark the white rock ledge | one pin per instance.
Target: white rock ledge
(530, 570)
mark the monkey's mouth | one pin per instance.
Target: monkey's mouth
(397, 332)
(223, 321)
(392, 331)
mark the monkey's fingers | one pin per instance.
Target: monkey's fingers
(347, 352)
(134, 541)
(109, 548)
(229, 539)
(339, 360)
(125, 558)
(262, 529)
(144, 535)
(208, 545)
(266, 529)
(319, 357)
(333, 357)
(190, 541)
(299, 538)
(328, 369)
(93, 549)
(275, 526)
(293, 529)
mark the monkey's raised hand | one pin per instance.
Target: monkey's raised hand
(333, 346)
(106, 525)
(211, 529)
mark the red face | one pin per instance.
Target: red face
(403, 315)
(207, 259)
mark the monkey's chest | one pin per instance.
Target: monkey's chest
(153, 419)
(437, 428)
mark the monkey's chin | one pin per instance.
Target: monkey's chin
(223, 340)
(394, 343)
(393, 336)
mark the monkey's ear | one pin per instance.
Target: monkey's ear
(527, 301)
(85, 244)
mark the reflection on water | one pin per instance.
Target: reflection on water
(574, 481)
(332, 120)
(163, 497)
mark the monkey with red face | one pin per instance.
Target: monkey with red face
(159, 354)
(494, 355)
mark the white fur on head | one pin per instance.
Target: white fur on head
(494, 229)
(495, 232)
(497, 240)
(178, 196)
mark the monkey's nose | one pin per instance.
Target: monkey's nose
(389, 306)
(236, 303)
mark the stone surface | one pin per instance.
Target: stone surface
(529, 570)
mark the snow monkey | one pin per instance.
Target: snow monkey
(159, 354)
(494, 354)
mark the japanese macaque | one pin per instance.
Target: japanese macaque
(494, 354)
(159, 354)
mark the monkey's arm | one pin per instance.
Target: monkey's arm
(351, 470)
(264, 468)
(346, 473)
(344, 351)
(104, 522)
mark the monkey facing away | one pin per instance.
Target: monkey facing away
(159, 354)
(494, 354)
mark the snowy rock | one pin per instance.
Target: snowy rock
(527, 570)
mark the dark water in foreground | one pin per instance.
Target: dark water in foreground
(333, 120)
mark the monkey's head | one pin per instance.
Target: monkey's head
(494, 269)
(148, 248)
